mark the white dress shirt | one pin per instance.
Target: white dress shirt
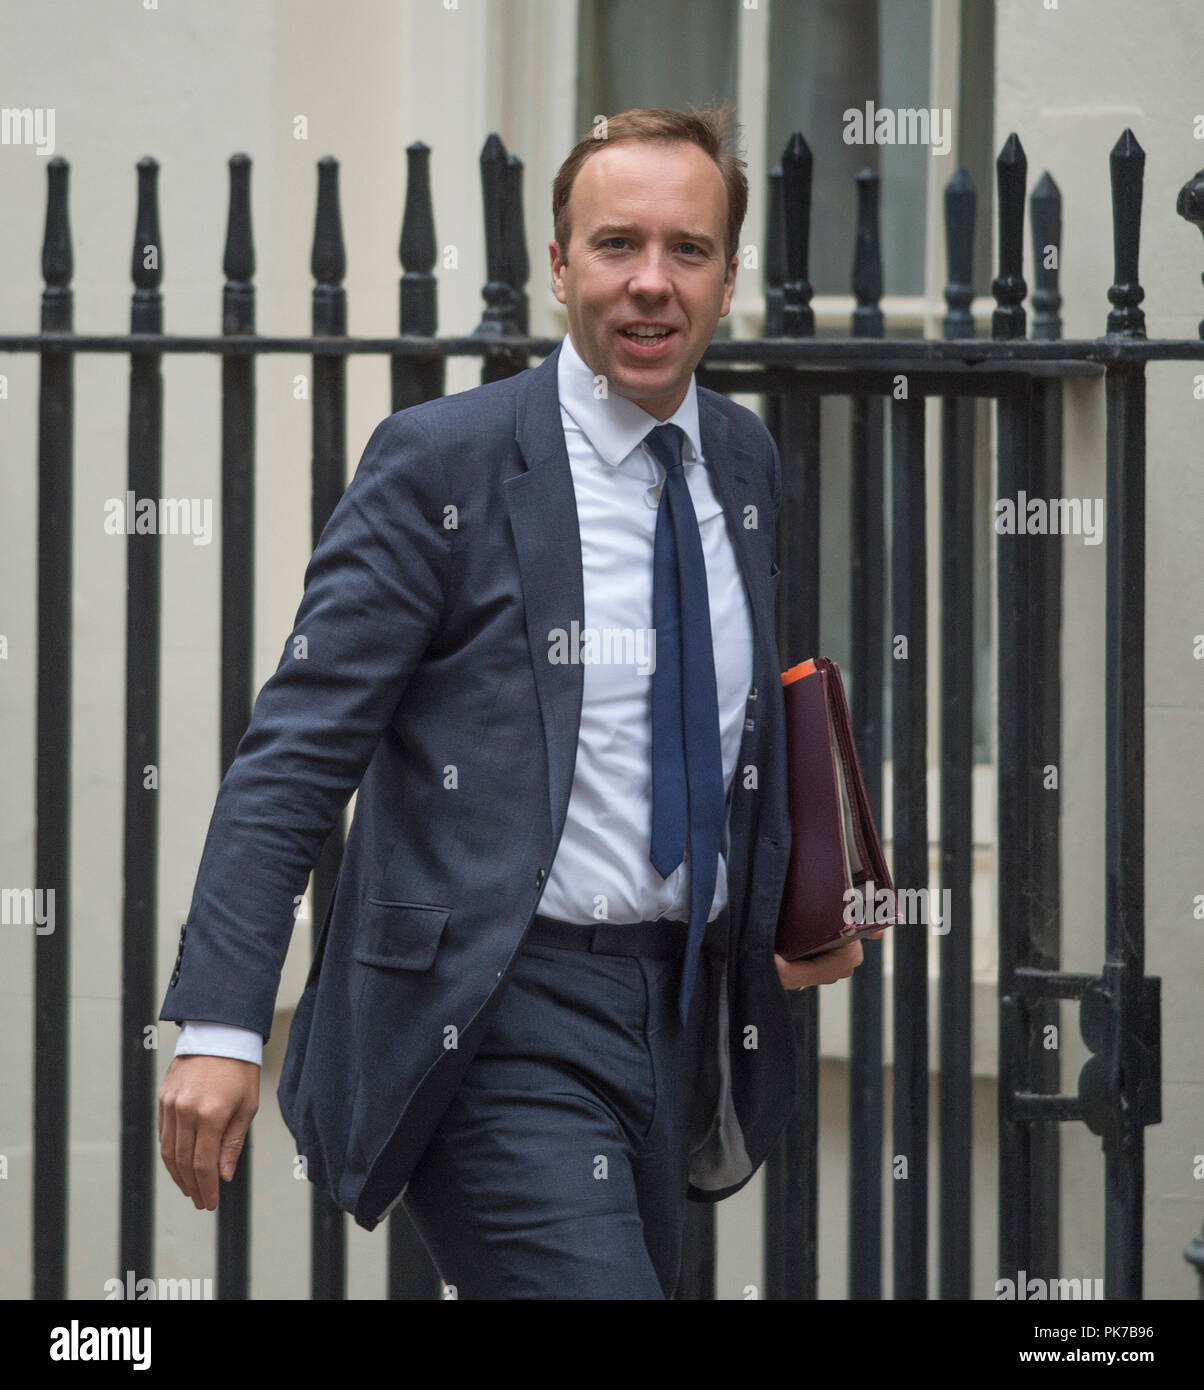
(602, 871)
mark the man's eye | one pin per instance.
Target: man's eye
(611, 240)
(692, 244)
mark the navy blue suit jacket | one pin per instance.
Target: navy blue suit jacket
(421, 644)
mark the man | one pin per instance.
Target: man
(537, 633)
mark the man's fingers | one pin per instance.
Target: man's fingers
(234, 1142)
(824, 969)
(167, 1143)
(847, 959)
(185, 1149)
(204, 1160)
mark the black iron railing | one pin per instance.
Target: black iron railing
(1119, 1088)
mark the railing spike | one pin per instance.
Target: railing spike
(961, 205)
(57, 261)
(798, 318)
(328, 260)
(1008, 287)
(514, 240)
(867, 258)
(505, 306)
(417, 249)
(1045, 218)
(238, 261)
(1127, 164)
(146, 311)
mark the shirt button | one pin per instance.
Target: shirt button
(752, 694)
(540, 875)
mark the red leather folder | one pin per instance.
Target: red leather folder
(838, 886)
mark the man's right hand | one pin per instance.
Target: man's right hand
(206, 1105)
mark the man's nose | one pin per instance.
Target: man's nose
(651, 276)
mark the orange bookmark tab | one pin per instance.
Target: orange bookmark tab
(796, 673)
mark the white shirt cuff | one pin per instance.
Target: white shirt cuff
(220, 1040)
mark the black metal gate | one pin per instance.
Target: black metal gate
(1118, 1090)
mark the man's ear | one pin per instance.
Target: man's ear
(729, 286)
(558, 265)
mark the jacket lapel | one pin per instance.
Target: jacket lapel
(543, 518)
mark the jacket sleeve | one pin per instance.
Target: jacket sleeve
(375, 590)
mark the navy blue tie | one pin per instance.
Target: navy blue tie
(688, 800)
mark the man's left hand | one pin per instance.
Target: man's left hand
(821, 970)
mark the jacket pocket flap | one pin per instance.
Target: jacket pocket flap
(400, 936)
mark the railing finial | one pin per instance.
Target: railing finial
(867, 259)
(146, 263)
(238, 260)
(1127, 163)
(1008, 287)
(1045, 214)
(417, 249)
(961, 203)
(328, 260)
(57, 262)
(798, 318)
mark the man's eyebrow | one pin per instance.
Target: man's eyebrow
(609, 229)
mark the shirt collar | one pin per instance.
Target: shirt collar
(614, 425)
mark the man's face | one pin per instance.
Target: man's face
(646, 249)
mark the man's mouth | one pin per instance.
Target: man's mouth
(647, 334)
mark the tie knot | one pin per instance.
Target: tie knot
(665, 441)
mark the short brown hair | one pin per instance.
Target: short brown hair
(711, 128)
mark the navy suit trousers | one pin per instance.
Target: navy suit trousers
(560, 1169)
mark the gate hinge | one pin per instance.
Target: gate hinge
(1120, 1085)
